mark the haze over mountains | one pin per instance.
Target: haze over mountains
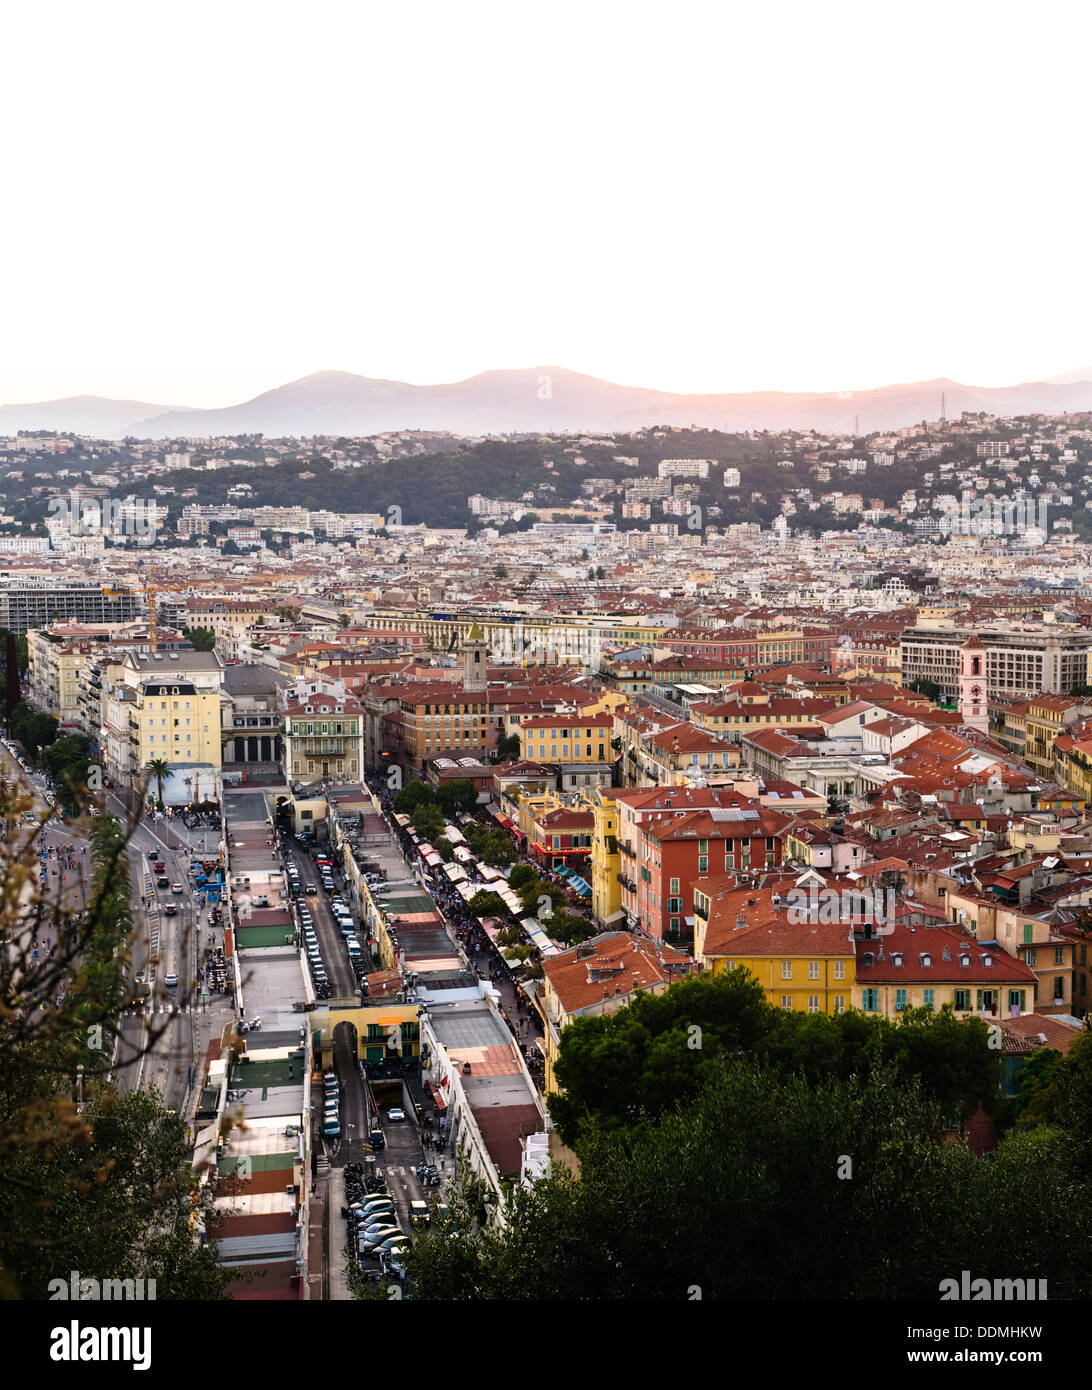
(540, 399)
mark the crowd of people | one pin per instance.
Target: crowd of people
(484, 956)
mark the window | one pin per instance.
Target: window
(813, 1003)
(839, 1003)
(786, 969)
(813, 969)
(927, 998)
(674, 886)
(962, 1000)
(869, 1000)
(1059, 955)
(839, 969)
(1029, 931)
(1016, 999)
(786, 1001)
(900, 1000)
(1032, 957)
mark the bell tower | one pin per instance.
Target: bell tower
(973, 711)
(475, 653)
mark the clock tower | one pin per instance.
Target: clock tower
(972, 685)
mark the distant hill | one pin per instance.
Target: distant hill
(94, 415)
(1074, 374)
(542, 399)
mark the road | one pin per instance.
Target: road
(331, 943)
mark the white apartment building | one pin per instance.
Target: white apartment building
(684, 468)
(1021, 658)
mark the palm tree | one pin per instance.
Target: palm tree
(159, 768)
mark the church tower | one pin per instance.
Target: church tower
(475, 654)
(972, 685)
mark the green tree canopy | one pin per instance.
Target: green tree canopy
(765, 1185)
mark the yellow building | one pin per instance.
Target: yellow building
(606, 858)
(55, 674)
(1047, 716)
(385, 1030)
(175, 721)
(576, 738)
(801, 965)
(601, 976)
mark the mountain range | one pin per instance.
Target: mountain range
(540, 400)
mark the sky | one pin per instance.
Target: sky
(202, 202)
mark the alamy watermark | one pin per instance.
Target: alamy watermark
(874, 907)
(106, 516)
(91, 1290)
(969, 1290)
(1002, 516)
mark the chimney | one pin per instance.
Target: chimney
(741, 921)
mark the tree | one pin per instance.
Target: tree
(32, 729)
(768, 1185)
(497, 850)
(647, 1042)
(444, 848)
(160, 769)
(924, 686)
(459, 795)
(500, 572)
(68, 761)
(487, 904)
(567, 927)
(202, 638)
(508, 747)
(427, 820)
(102, 1187)
(412, 795)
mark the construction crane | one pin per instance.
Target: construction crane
(149, 592)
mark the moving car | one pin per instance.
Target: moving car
(171, 910)
(396, 1113)
(159, 867)
(162, 883)
(176, 888)
(171, 981)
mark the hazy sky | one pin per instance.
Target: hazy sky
(206, 200)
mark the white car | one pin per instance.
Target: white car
(396, 1113)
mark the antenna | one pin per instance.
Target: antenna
(943, 407)
(856, 425)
